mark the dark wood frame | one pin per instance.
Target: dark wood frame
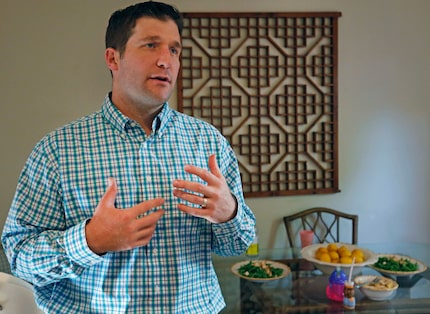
(280, 117)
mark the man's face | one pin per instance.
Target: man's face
(146, 73)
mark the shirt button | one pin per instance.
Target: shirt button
(157, 289)
(154, 251)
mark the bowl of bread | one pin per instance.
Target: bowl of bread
(377, 288)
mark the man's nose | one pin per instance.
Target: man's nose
(164, 57)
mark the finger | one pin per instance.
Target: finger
(108, 199)
(144, 236)
(213, 166)
(197, 212)
(183, 188)
(204, 174)
(194, 211)
(147, 227)
(145, 206)
(192, 198)
(149, 221)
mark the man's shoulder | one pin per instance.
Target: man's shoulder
(74, 129)
(187, 121)
(83, 124)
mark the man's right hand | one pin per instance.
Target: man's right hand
(112, 229)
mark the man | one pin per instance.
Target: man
(120, 211)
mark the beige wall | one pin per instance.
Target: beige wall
(52, 71)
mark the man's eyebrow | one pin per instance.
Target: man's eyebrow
(150, 38)
(177, 44)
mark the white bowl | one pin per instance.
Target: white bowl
(378, 292)
(308, 253)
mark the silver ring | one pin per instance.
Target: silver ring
(205, 202)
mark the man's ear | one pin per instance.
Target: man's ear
(112, 58)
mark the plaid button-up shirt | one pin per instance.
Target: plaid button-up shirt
(60, 186)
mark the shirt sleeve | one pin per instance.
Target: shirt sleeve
(40, 246)
(233, 237)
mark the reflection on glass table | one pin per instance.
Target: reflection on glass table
(303, 291)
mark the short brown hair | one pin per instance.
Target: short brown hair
(122, 22)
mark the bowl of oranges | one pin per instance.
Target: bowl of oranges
(327, 256)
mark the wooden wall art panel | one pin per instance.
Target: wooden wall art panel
(268, 82)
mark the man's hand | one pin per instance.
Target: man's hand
(217, 203)
(112, 229)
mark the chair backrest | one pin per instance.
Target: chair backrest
(329, 225)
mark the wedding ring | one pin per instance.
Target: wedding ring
(205, 202)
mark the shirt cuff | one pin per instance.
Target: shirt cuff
(232, 225)
(76, 246)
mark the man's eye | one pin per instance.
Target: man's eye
(174, 51)
(150, 45)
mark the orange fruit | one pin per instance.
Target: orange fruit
(334, 256)
(345, 253)
(346, 260)
(320, 251)
(357, 252)
(359, 256)
(359, 259)
(324, 257)
(332, 247)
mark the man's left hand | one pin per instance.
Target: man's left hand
(216, 203)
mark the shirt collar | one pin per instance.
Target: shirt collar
(120, 122)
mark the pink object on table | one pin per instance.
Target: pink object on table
(306, 237)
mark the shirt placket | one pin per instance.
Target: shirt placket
(152, 263)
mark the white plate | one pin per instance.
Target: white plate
(285, 273)
(421, 266)
(16, 296)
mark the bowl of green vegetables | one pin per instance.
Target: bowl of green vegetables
(398, 265)
(260, 270)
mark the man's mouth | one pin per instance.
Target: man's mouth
(161, 78)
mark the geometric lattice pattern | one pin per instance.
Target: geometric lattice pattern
(268, 82)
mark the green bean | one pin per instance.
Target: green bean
(392, 264)
(256, 271)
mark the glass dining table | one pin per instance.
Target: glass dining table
(303, 290)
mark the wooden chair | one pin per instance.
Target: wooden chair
(329, 225)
